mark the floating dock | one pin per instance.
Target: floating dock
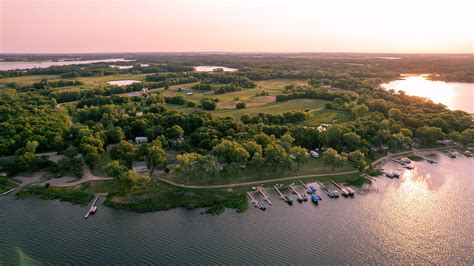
(284, 197)
(331, 194)
(252, 199)
(265, 197)
(345, 192)
(8, 192)
(300, 197)
(93, 208)
(399, 161)
(427, 159)
(450, 154)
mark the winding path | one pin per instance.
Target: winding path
(88, 176)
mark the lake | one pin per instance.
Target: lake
(45, 64)
(423, 217)
(212, 68)
(455, 95)
(122, 82)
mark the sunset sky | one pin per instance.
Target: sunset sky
(61, 26)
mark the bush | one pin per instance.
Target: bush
(208, 104)
(240, 105)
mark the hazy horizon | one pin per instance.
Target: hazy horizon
(203, 26)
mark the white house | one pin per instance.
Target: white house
(322, 127)
(139, 140)
(189, 93)
(140, 166)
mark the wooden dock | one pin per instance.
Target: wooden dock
(252, 199)
(331, 194)
(299, 196)
(344, 191)
(8, 192)
(93, 207)
(279, 193)
(265, 197)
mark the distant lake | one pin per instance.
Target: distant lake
(424, 217)
(455, 95)
(212, 68)
(45, 64)
(123, 82)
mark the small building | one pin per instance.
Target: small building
(145, 90)
(139, 140)
(140, 166)
(189, 93)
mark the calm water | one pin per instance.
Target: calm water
(423, 217)
(122, 82)
(455, 95)
(211, 68)
(45, 64)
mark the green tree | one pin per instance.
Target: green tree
(156, 156)
(333, 158)
(429, 135)
(299, 154)
(229, 151)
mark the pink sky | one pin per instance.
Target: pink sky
(60, 26)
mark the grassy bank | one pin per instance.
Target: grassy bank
(74, 195)
(158, 196)
(6, 184)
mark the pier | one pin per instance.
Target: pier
(93, 207)
(331, 194)
(399, 161)
(306, 187)
(8, 192)
(344, 191)
(252, 199)
(265, 197)
(450, 154)
(300, 197)
(284, 197)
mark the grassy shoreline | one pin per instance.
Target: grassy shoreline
(158, 196)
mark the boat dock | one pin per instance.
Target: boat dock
(284, 197)
(252, 199)
(399, 161)
(8, 192)
(450, 154)
(345, 191)
(331, 194)
(93, 207)
(265, 197)
(300, 197)
(369, 177)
